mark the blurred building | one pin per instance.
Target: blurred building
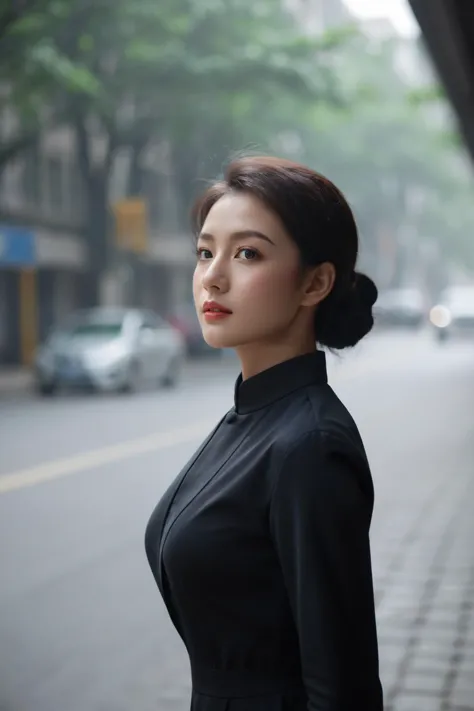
(158, 275)
(43, 251)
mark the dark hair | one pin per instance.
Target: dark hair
(318, 218)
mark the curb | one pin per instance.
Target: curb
(15, 382)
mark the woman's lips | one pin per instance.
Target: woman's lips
(213, 311)
(216, 315)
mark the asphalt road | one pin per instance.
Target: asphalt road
(82, 626)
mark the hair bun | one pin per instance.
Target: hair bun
(342, 322)
(366, 288)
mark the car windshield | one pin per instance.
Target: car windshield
(101, 324)
(95, 329)
(462, 297)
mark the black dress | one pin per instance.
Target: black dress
(260, 549)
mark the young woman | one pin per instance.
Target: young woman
(260, 548)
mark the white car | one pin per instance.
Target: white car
(453, 316)
(400, 307)
(108, 349)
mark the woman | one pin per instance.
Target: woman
(260, 547)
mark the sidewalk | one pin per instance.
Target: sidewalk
(14, 380)
(422, 546)
(425, 603)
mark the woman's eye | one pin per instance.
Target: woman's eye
(248, 254)
(203, 254)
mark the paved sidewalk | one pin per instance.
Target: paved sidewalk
(14, 380)
(423, 554)
(425, 606)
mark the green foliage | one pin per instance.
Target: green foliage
(422, 96)
(140, 66)
(35, 73)
(212, 77)
(387, 144)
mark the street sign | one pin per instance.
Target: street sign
(17, 246)
(131, 225)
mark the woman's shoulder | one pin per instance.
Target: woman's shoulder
(317, 417)
(320, 435)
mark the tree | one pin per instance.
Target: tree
(392, 151)
(35, 74)
(249, 112)
(126, 74)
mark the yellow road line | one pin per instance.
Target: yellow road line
(56, 469)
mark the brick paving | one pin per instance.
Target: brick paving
(424, 581)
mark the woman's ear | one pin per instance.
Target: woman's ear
(318, 283)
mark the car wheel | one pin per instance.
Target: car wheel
(132, 381)
(171, 378)
(46, 389)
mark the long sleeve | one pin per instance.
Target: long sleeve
(320, 515)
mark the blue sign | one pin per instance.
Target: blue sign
(17, 246)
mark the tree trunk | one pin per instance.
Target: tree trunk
(97, 234)
(135, 176)
(95, 182)
(185, 160)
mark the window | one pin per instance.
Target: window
(97, 329)
(31, 177)
(55, 178)
(77, 197)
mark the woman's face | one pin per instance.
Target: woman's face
(249, 266)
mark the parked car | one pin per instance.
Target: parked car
(400, 307)
(186, 321)
(453, 315)
(109, 350)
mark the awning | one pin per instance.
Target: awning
(448, 30)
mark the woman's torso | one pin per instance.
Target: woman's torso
(210, 549)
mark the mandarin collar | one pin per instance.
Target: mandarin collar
(278, 381)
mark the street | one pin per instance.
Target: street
(82, 625)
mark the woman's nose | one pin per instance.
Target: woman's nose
(215, 277)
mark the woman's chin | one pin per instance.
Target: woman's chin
(214, 339)
(215, 342)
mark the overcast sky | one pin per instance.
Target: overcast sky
(398, 11)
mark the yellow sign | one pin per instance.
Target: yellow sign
(131, 225)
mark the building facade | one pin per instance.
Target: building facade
(43, 251)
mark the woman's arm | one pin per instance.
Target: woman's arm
(320, 515)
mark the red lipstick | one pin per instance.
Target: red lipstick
(214, 311)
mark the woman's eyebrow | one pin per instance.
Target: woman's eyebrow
(241, 234)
